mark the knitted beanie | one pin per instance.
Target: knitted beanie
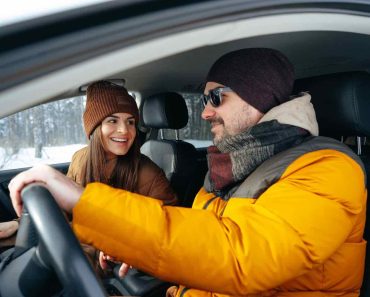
(260, 76)
(104, 99)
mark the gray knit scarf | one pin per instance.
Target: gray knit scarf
(236, 157)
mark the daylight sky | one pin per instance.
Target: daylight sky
(18, 10)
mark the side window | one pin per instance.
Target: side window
(49, 133)
(197, 131)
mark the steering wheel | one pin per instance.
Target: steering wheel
(47, 256)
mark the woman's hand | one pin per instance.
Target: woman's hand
(105, 260)
(65, 191)
(7, 229)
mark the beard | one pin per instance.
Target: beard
(217, 138)
(226, 134)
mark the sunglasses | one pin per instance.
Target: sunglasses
(215, 96)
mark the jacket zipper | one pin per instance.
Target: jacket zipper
(209, 202)
(184, 290)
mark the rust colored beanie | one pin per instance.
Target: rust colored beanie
(103, 99)
(262, 77)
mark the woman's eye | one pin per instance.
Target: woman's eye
(131, 122)
(112, 121)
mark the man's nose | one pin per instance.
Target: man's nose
(208, 112)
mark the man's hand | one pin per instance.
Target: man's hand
(65, 191)
(105, 260)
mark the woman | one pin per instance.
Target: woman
(113, 154)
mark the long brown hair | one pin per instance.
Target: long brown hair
(125, 173)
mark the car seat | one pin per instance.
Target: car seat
(342, 105)
(177, 158)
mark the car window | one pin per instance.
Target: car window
(17, 11)
(49, 133)
(197, 131)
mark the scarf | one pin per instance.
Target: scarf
(235, 157)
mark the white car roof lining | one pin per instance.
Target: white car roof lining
(50, 86)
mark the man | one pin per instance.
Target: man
(281, 212)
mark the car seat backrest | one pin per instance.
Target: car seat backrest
(341, 102)
(342, 105)
(177, 158)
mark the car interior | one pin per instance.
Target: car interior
(342, 107)
(177, 158)
(328, 46)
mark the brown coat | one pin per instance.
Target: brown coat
(152, 181)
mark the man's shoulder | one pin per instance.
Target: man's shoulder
(332, 148)
(313, 152)
(308, 152)
(310, 145)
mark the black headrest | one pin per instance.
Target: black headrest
(341, 102)
(165, 111)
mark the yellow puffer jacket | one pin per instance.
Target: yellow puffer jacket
(300, 236)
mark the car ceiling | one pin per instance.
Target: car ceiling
(312, 53)
(316, 43)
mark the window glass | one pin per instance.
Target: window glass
(49, 133)
(197, 131)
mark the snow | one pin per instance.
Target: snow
(50, 155)
(200, 143)
(55, 155)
